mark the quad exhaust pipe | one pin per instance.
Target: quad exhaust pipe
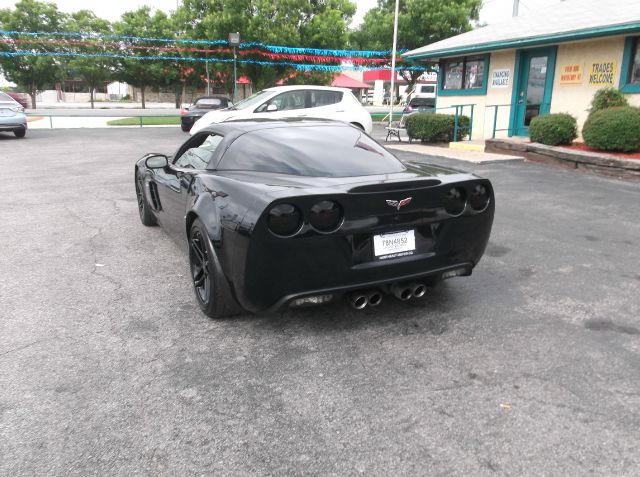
(406, 291)
(361, 299)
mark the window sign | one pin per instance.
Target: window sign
(602, 72)
(500, 78)
(571, 74)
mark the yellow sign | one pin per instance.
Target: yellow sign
(602, 72)
(571, 74)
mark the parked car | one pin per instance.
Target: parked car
(200, 107)
(294, 101)
(21, 98)
(302, 212)
(420, 105)
(12, 117)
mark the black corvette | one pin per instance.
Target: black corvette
(301, 212)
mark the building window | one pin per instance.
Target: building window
(465, 75)
(630, 74)
(634, 74)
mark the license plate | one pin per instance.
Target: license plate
(394, 245)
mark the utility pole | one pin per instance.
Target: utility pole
(206, 64)
(516, 4)
(234, 40)
(393, 63)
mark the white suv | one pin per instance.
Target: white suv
(294, 102)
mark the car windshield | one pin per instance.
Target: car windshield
(208, 103)
(252, 100)
(318, 151)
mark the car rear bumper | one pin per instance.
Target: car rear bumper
(275, 273)
(11, 123)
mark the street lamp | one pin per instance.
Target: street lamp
(393, 63)
(234, 40)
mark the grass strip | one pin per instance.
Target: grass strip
(146, 121)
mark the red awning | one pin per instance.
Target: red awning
(344, 81)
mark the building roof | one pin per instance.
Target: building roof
(344, 81)
(568, 20)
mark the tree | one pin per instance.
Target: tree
(300, 23)
(93, 70)
(145, 73)
(31, 73)
(420, 22)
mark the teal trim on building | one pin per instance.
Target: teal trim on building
(625, 71)
(521, 77)
(528, 42)
(465, 92)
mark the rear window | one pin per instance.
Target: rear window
(329, 151)
(428, 89)
(5, 97)
(209, 102)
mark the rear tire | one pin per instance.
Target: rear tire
(146, 216)
(209, 284)
(185, 127)
(20, 132)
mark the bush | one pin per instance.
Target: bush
(429, 127)
(553, 129)
(613, 129)
(607, 98)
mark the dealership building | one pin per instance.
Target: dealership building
(549, 60)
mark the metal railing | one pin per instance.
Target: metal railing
(495, 118)
(457, 128)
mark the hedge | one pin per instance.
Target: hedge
(429, 127)
(553, 129)
(613, 129)
(607, 98)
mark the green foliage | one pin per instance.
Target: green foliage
(613, 129)
(428, 127)
(145, 73)
(31, 73)
(304, 23)
(553, 129)
(607, 98)
(94, 71)
(420, 22)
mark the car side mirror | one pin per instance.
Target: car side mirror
(156, 161)
(271, 108)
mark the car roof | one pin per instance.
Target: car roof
(248, 125)
(305, 86)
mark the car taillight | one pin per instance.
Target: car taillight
(17, 109)
(325, 216)
(284, 220)
(479, 198)
(408, 109)
(455, 201)
(184, 111)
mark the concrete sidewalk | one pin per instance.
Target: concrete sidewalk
(477, 157)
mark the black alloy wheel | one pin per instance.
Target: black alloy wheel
(209, 285)
(199, 260)
(146, 216)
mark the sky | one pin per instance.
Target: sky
(492, 11)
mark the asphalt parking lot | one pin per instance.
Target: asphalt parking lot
(107, 367)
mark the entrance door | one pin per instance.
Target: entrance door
(533, 87)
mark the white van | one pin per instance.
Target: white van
(423, 91)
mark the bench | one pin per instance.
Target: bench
(396, 128)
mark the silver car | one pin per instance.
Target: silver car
(12, 117)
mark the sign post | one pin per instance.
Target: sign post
(234, 40)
